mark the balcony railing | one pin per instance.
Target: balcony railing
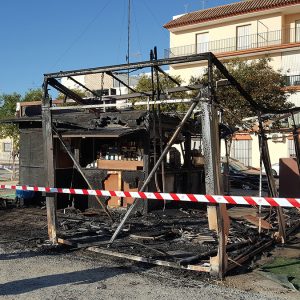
(292, 80)
(259, 40)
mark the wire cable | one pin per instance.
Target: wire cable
(85, 29)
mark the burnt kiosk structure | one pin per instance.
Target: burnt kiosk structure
(92, 144)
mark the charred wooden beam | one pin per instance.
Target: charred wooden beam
(199, 268)
(217, 215)
(136, 65)
(121, 81)
(270, 177)
(61, 88)
(296, 142)
(49, 164)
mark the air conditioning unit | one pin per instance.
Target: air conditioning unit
(107, 92)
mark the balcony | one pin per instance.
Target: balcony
(292, 80)
(259, 40)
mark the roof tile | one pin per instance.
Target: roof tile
(228, 10)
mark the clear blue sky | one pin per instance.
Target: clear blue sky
(38, 37)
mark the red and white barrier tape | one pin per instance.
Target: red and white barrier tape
(240, 200)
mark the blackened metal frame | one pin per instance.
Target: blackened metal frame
(218, 219)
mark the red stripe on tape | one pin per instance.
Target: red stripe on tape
(210, 199)
(143, 195)
(85, 192)
(98, 192)
(174, 197)
(192, 197)
(293, 202)
(158, 196)
(230, 199)
(250, 200)
(271, 201)
(127, 194)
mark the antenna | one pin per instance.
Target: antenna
(203, 3)
(186, 7)
(128, 38)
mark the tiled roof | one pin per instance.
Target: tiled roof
(228, 10)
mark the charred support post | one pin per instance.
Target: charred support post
(163, 177)
(217, 214)
(297, 147)
(188, 159)
(153, 171)
(267, 163)
(296, 142)
(49, 163)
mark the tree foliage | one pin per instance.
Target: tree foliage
(8, 110)
(33, 95)
(8, 104)
(259, 79)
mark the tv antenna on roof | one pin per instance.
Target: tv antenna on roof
(203, 3)
(128, 39)
(186, 7)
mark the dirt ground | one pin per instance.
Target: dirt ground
(32, 270)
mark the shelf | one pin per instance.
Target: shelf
(119, 164)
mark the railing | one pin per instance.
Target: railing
(292, 80)
(259, 40)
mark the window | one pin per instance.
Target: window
(291, 148)
(297, 31)
(6, 147)
(202, 42)
(243, 37)
(242, 150)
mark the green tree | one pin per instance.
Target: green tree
(259, 79)
(8, 104)
(33, 95)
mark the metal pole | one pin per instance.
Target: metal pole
(161, 158)
(128, 40)
(78, 167)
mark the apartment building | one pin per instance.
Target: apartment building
(250, 30)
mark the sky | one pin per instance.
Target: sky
(38, 37)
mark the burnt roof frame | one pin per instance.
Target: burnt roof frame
(211, 59)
